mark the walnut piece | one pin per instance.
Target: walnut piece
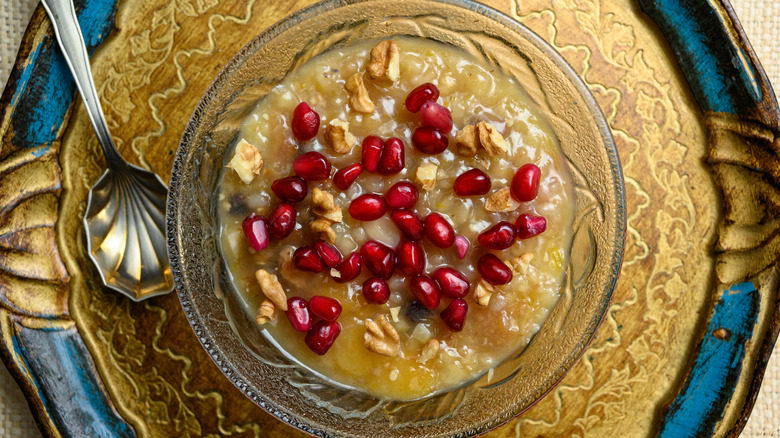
(246, 162)
(338, 137)
(322, 229)
(271, 288)
(519, 265)
(381, 337)
(483, 292)
(467, 141)
(358, 95)
(501, 200)
(265, 313)
(426, 175)
(324, 206)
(429, 351)
(482, 135)
(384, 61)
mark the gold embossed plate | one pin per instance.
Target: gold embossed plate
(693, 314)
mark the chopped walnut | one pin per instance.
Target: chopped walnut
(384, 61)
(288, 271)
(519, 265)
(467, 141)
(324, 206)
(246, 162)
(429, 351)
(426, 175)
(501, 200)
(338, 137)
(483, 292)
(266, 312)
(272, 289)
(482, 135)
(322, 229)
(381, 337)
(358, 95)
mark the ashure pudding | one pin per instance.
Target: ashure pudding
(397, 216)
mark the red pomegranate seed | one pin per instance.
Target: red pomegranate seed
(528, 225)
(429, 140)
(348, 269)
(344, 178)
(368, 207)
(493, 270)
(298, 314)
(436, 116)
(321, 336)
(326, 308)
(402, 195)
(329, 253)
(452, 283)
(455, 314)
(393, 158)
(462, 245)
(420, 95)
(472, 183)
(499, 236)
(426, 291)
(372, 152)
(411, 258)
(412, 227)
(305, 122)
(255, 231)
(439, 231)
(378, 258)
(312, 166)
(376, 290)
(290, 189)
(281, 220)
(525, 183)
(306, 258)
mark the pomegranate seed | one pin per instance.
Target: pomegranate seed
(306, 258)
(368, 207)
(290, 189)
(429, 140)
(392, 160)
(305, 122)
(378, 258)
(499, 236)
(321, 336)
(256, 231)
(455, 314)
(420, 95)
(528, 225)
(281, 220)
(472, 183)
(376, 290)
(326, 308)
(452, 283)
(372, 152)
(298, 314)
(411, 258)
(346, 176)
(329, 253)
(439, 231)
(402, 195)
(426, 291)
(312, 166)
(493, 270)
(462, 245)
(348, 269)
(436, 116)
(525, 183)
(409, 223)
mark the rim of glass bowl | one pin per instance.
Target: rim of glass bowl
(179, 251)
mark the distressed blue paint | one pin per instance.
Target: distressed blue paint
(67, 383)
(700, 405)
(716, 67)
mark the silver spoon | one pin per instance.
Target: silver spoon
(125, 219)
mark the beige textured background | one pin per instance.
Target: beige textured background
(761, 19)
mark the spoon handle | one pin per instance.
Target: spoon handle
(66, 28)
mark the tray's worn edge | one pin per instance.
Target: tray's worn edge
(41, 345)
(743, 128)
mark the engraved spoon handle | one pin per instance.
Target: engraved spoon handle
(66, 28)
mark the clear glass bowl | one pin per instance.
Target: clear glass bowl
(305, 400)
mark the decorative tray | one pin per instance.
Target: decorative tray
(681, 352)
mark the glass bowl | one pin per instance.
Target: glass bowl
(305, 400)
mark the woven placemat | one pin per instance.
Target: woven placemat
(761, 19)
